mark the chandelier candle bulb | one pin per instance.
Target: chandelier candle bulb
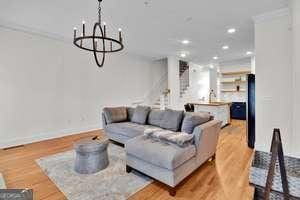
(83, 28)
(120, 35)
(75, 29)
(104, 29)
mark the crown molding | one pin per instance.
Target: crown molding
(29, 30)
(39, 33)
(271, 15)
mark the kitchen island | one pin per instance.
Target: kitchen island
(220, 110)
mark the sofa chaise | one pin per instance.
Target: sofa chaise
(164, 161)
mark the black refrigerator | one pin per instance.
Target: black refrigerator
(251, 110)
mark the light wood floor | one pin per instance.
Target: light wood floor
(226, 178)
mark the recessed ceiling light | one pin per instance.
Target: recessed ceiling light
(188, 19)
(225, 47)
(215, 57)
(249, 53)
(231, 30)
(183, 55)
(185, 41)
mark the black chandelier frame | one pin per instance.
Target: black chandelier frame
(102, 38)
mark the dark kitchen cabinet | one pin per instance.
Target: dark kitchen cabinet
(238, 110)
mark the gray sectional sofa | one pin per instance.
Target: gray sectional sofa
(165, 161)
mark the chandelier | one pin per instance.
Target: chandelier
(98, 43)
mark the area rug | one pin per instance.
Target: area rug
(108, 184)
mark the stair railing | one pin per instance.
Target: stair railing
(154, 93)
(164, 99)
(184, 81)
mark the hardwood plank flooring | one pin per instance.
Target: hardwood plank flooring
(226, 178)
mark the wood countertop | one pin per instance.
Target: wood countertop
(212, 103)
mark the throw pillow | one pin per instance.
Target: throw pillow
(140, 114)
(172, 120)
(191, 120)
(116, 114)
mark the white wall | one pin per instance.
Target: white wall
(213, 80)
(173, 82)
(295, 5)
(201, 80)
(238, 65)
(253, 64)
(50, 88)
(274, 85)
(199, 85)
(243, 64)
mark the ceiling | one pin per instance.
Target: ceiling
(152, 28)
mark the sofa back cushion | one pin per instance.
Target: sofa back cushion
(193, 119)
(171, 120)
(130, 111)
(155, 117)
(116, 114)
(140, 114)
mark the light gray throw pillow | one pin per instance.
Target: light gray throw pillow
(171, 120)
(140, 114)
(116, 114)
(191, 120)
(155, 117)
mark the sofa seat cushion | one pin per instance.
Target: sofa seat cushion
(169, 156)
(128, 129)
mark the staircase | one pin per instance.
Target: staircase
(158, 96)
(163, 101)
(184, 80)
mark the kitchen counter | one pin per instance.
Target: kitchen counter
(220, 110)
(213, 103)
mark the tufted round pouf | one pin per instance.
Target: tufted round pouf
(91, 155)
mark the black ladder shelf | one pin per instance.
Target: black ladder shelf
(265, 169)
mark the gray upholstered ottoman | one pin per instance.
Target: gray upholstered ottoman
(91, 155)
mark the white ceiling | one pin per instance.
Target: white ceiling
(152, 30)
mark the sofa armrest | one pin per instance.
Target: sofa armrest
(206, 137)
(104, 122)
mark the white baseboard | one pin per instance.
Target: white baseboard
(46, 136)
